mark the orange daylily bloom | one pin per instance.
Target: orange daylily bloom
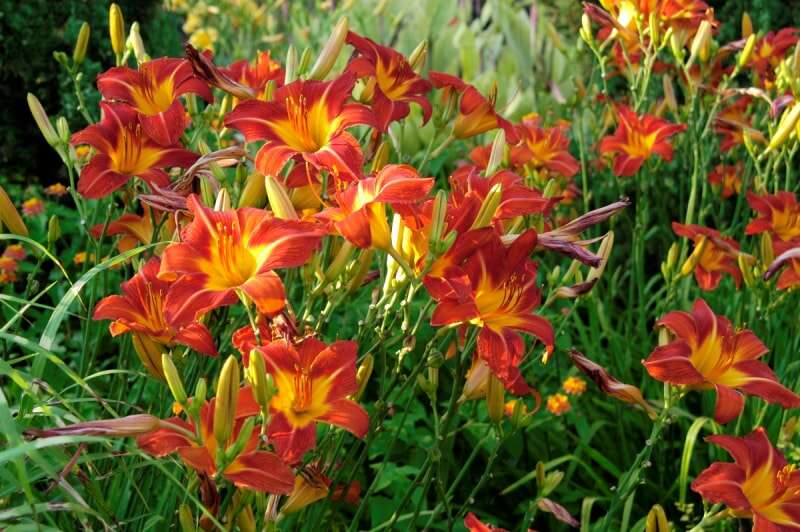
(153, 92)
(306, 119)
(708, 353)
(222, 252)
(256, 75)
(251, 468)
(495, 289)
(788, 253)
(546, 148)
(769, 51)
(636, 139)
(779, 215)
(361, 214)
(133, 229)
(476, 113)
(733, 122)
(124, 151)
(728, 178)
(760, 484)
(718, 255)
(140, 310)
(392, 85)
(313, 381)
(473, 524)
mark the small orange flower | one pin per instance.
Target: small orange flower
(32, 207)
(574, 385)
(251, 468)
(709, 353)
(306, 119)
(636, 139)
(222, 252)
(546, 148)
(124, 151)
(15, 251)
(558, 404)
(81, 257)
(8, 264)
(392, 84)
(313, 381)
(718, 255)
(728, 178)
(153, 93)
(760, 484)
(778, 214)
(56, 189)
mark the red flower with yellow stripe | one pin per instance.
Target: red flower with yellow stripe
(778, 214)
(256, 75)
(124, 151)
(494, 288)
(708, 353)
(636, 139)
(153, 92)
(140, 310)
(313, 381)
(361, 214)
(713, 255)
(543, 148)
(392, 84)
(252, 468)
(134, 229)
(769, 51)
(306, 119)
(760, 484)
(229, 251)
(727, 178)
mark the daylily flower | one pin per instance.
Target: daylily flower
(708, 353)
(256, 75)
(134, 229)
(140, 310)
(313, 381)
(392, 84)
(779, 214)
(760, 484)
(306, 119)
(546, 148)
(788, 253)
(153, 92)
(728, 178)
(494, 289)
(222, 252)
(733, 122)
(713, 255)
(361, 214)
(476, 113)
(636, 139)
(769, 51)
(684, 16)
(310, 485)
(251, 468)
(124, 151)
(473, 524)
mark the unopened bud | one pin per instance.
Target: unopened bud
(290, 66)
(700, 43)
(279, 200)
(53, 230)
(381, 157)
(259, 380)
(173, 379)
(339, 262)
(697, 253)
(540, 474)
(747, 25)
(200, 392)
(747, 51)
(657, 520)
(81, 44)
(242, 438)
(225, 405)
(495, 398)
(269, 90)
(551, 481)
(497, 153)
(149, 352)
(62, 128)
(669, 94)
(134, 425)
(254, 193)
(363, 374)
(330, 52)
(438, 220)
(785, 127)
(418, 56)
(135, 41)
(186, 519)
(223, 201)
(586, 28)
(361, 271)
(42, 120)
(489, 207)
(767, 250)
(747, 270)
(116, 27)
(305, 61)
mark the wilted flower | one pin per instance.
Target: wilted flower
(760, 484)
(608, 384)
(708, 352)
(32, 207)
(713, 255)
(558, 404)
(732, 123)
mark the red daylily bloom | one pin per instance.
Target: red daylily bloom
(153, 91)
(685, 16)
(251, 468)
(140, 310)
(732, 123)
(361, 215)
(718, 254)
(728, 178)
(222, 252)
(313, 381)
(636, 139)
(256, 75)
(125, 151)
(788, 254)
(473, 524)
(779, 214)
(476, 113)
(544, 148)
(495, 289)
(760, 484)
(770, 51)
(393, 83)
(306, 118)
(709, 353)
(134, 229)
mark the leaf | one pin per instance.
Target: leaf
(686, 458)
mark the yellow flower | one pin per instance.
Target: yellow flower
(574, 385)
(558, 404)
(204, 38)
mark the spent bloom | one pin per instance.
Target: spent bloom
(708, 352)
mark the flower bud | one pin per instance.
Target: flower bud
(186, 519)
(672, 255)
(691, 263)
(200, 391)
(489, 207)
(766, 249)
(361, 271)
(242, 438)
(363, 374)
(269, 90)
(700, 43)
(254, 194)
(223, 201)
(657, 520)
(747, 51)
(116, 27)
(305, 61)
(381, 157)
(497, 153)
(747, 25)
(279, 200)
(53, 230)
(418, 56)
(225, 404)
(669, 94)
(586, 29)
(81, 44)
(495, 398)
(259, 380)
(337, 265)
(330, 52)
(62, 128)
(42, 120)
(120, 427)
(540, 474)
(135, 42)
(173, 379)
(290, 65)
(149, 352)
(785, 127)
(746, 269)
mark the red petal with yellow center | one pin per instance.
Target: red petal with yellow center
(260, 471)
(291, 442)
(721, 484)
